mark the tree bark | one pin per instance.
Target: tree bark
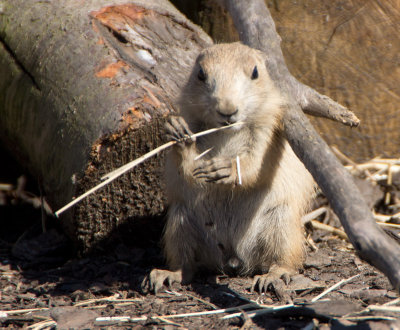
(84, 87)
(257, 29)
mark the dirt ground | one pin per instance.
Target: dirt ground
(43, 285)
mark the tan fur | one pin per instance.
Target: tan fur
(222, 226)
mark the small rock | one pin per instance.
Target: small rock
(73, 317)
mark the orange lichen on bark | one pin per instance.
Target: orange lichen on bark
(131, 116)
(151, 98)
(111, 70)
(115, 17)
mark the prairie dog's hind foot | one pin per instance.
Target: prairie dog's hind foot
(158, 277)
(273, 277)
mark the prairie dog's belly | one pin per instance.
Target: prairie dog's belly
(229, 225)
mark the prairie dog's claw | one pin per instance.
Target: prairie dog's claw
(157, 277)
(218, 170)
(178, 130)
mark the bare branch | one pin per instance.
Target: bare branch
(319, 105)
(262, 35)
(257, 29)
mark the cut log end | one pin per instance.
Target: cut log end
(125, 203)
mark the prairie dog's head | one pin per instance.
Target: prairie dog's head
(229, 83)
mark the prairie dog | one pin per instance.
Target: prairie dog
(213, 221)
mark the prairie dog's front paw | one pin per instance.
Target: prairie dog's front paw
(218, 170)
(178, 130)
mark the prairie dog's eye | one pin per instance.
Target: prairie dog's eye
(254, 75)
(201, 74)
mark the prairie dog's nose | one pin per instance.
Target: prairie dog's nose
(227, 115)
(226, 109)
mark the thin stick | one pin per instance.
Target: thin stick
(203, 153)
(118, 172)
(330, 229)
(392, 302)
(366, 318)
(22, 311)
(217, 311)
(43, 324)
(113, 298)
(166, 321)
(392, 225)
(117, 318)
(165, 317)
(238, 169)
(257, 312)
(389, 183)
(352, 163)
(343, 157)
(203, 301)
(313, 214)
(333, 287)
(392, 161)
(385, 218)
(395, 309)
(121, 170)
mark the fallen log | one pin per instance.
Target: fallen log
(256, 29)
(84, 88)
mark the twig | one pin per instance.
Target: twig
(125, 168)
(173, 293)
(203, 301)
(165, 317)
(311, 243)
(392, 302)
(351, 163)
(114, 298)
(118, 319)
(343, 157)
(22, 311)
(238, 170)
(385, 218)
(395, 309)
(203, 153)
(166, 321)
(391, 161)
(117, 172)
(330, 229)
(385, 224)
(366, 318)
(43, 324)
(334, 287)
(379, 167)
(314, 214)
(217, 311)
(264, 310)
(389, 183)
